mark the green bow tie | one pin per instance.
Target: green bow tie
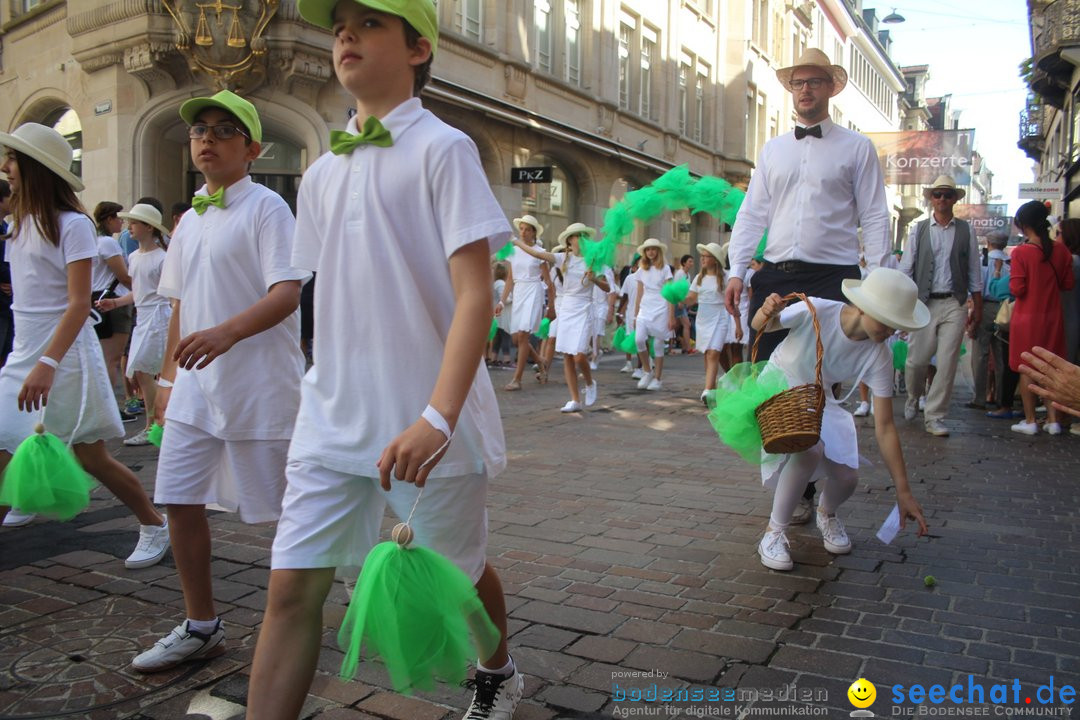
(201, 202)
(373, 133)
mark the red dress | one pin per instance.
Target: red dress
(1037, 317)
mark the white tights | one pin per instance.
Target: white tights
(838, 486)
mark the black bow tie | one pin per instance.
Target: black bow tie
(801, 132)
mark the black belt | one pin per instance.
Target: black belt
(792, 266)
(940, 296)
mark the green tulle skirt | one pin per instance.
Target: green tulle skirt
(44, 477)
(738, 394)
(419, 613)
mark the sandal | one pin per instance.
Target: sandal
(512, 385)
(542, 376)
(1004, 414)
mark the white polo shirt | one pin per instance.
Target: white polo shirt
(378, 226)
(219, 264)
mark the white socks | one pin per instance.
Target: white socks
(204, 627)
(506, 670)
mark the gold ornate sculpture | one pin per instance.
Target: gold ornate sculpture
(234, 58)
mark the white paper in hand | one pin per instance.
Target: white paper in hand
(891, 526)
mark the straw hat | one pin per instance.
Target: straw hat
(815, 58)
(147, 214)
(716, 250)
(48, 147)
(943, 182)
(530, 220)
(651, 243)
(889, 296)
(576, 229)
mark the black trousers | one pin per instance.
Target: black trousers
(815, 280)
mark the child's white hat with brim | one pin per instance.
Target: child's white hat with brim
(576, 229)
(530, 220)
(147, 214)
(716, 250)
(48, 147)
(890, 297)
(651, 243)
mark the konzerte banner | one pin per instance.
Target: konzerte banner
(917, 157)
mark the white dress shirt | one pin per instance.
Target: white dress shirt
(812, 195)
(941, 243)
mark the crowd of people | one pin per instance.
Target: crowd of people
(216, 295)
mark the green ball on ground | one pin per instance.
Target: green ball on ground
(929, 581)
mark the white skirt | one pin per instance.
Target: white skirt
(528, 306)
(712, 322)
(575, 326)
(148, 339)
(82, 407)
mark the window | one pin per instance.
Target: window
(468, 18)
(637, 59)
(760, 28)
(684, 79)
(626, 35)
(751, 122)
(544, 38)
(699, 101)
(573, 42)
(648, 52)
(693, 84)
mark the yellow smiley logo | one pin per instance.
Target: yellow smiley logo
(862, 693)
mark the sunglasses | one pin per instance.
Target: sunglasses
(947, 194)
(220, 132)
(814, 83)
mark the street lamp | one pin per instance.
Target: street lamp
(893, 18)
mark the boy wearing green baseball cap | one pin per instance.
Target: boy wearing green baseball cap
(230, 382)
(401, 207)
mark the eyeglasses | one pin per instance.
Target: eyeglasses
(814, 83)
(947, 194)
(221, 132)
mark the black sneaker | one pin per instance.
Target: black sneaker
(127, 417)
(495, 697)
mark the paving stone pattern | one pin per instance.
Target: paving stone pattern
(625, 538)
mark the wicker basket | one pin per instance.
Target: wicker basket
(790, 422)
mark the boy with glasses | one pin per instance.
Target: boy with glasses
(230, 383)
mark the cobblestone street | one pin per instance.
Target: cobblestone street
(625, 538)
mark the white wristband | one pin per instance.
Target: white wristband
(163, 383)
(437, 421)
(46, 360)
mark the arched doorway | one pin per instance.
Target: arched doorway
(66, 122)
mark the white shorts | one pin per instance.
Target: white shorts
(332, 519)
(197, 468)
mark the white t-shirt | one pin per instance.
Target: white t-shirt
(101, 277)
(844, 359)
(219, 264)
(39, 281)
(378, 225)
(573, 270)
(145, 269)
(630, 289)
(652, 279)
(525, 267)
(707, 290)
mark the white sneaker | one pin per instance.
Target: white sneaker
(638, 373)
(654, 384)
(590, 394)
(911, 409)
(937, 428)
(17, 518)
(863, 410)
(628, 367)
(1074, 429)
(922, 403)
(644, 381)
(1052, 428)
(153, 544)
(571, 406)
(1026, 428)
(593, 365)
(137, 439)
(803, 512)
(180, 646)
(833, 534)
(494, 697)
(773, 550)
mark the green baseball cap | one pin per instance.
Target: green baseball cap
(231, 103)
(418, 13)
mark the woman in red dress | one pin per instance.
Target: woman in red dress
(1041, 269)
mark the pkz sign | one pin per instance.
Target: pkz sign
(530, 174)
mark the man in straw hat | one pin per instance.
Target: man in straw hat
(942, 257)
(812, 190)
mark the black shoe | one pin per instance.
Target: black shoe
(127, 417)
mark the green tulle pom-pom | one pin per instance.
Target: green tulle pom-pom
(899, 355)
(738, 394)
(44, 477)
(154, 434)
(598, 254)
(708, 194)
(505, 251)
(419, 613)
(676, 291)
(545, 329)
(493, 329)
(676, 186)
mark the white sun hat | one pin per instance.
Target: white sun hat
(48, 147)
(889, 296)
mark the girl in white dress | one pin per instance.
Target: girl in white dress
(654, 316)
(151, 332)
(853, 338)
(630, 293)
(575, 310)
(707, 291)
(56, 358)
(525, 284)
